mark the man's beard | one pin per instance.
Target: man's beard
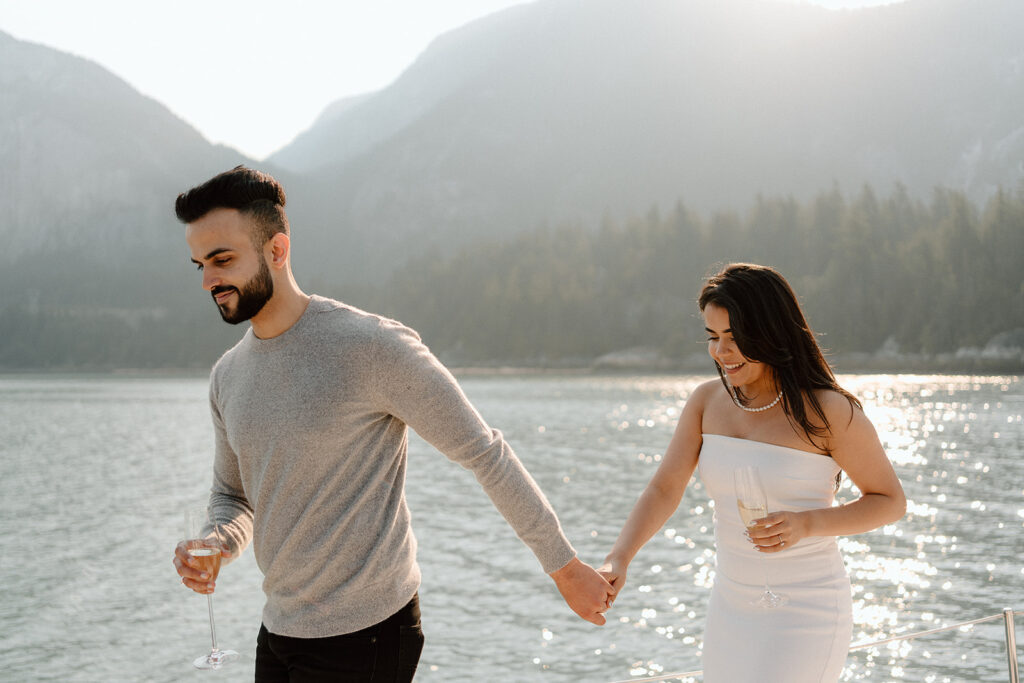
(252, 297)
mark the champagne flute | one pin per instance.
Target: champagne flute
(753, 505)
(204, 541)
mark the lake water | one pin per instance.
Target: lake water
(95, 472)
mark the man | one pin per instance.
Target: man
(310, 411)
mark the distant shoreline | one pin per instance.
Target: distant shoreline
(631, 362)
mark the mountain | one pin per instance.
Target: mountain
(565, 113)
(296, 154)
(86, 158)
(572, 110)
(89, 169)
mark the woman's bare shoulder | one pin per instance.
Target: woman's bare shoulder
(706, 391)
(841, 412)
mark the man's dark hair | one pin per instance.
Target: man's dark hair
(251, 192)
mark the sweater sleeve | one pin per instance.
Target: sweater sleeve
(417, 389)
(228, 503)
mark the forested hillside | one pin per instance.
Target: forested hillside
(876, 273)
(873, 271)
(495, 195)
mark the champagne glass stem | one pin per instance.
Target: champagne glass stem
(770, 598)
(213, 629)
(205, 541)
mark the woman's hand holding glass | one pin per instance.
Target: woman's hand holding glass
(753, 506)
(777, 531)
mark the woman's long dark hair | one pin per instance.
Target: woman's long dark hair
(769, 326)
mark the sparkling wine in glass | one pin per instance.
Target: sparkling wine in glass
(753, 505)
(204, 540)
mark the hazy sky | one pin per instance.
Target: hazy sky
(252, 74)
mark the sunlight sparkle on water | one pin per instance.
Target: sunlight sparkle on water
(945, 435)
(920, 509)
(898, 572)
(956, 443)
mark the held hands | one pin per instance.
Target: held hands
(614, 572)
(584, 590)
(191, 572)
(777, 531)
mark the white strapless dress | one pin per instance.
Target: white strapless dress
(807, 639)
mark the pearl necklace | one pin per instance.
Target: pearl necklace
(757, 410)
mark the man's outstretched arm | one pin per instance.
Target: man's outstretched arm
(413, 385)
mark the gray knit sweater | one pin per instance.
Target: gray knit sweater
(310, 465)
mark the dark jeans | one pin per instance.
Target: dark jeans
(385, 652)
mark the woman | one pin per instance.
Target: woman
(778, 408)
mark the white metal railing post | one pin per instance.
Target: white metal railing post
(1011, 645)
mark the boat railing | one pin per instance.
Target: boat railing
(1007, 617)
